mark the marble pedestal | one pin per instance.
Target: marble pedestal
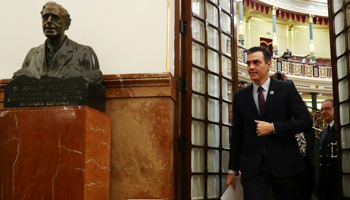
(54, 153)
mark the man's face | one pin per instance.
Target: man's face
(257, 68)
(284, 75)
(327, 111)
(53, 22)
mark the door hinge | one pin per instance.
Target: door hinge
(182, 145)
(183, 84)
(183, 27)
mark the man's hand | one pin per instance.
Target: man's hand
(263, 128)
(231, 180)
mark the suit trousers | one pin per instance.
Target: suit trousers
(327, 192)
(257, 187)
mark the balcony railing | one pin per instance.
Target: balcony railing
(318, 122)
(297, 68)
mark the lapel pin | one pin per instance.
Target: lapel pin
(271, 92)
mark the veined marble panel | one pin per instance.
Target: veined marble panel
(54, 153)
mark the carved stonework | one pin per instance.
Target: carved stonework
(274, 65)
(285, 67)
(240, 53)
(318, 121)
(308, 70)
(323, 72)
(297, 69)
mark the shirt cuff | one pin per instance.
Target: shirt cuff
(235, 172)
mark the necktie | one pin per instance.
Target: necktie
(261, 100)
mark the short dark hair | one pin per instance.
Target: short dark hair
(279, 76)
(65, 13)
(266, 52)
(331, 100)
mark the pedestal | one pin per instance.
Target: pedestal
(54, 153)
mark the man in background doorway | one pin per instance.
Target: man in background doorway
(241, 85)
(328, 170)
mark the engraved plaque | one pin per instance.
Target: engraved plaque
(25, 91)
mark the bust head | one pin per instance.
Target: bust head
(55, 21)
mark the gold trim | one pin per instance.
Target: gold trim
(265, 43)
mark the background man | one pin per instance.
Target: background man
(287, 54)
(327, 177)
(263, 134)
(59, 56)
(241, 84)
(285, 76)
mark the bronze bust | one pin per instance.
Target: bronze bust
(60, 56)
(59, 72)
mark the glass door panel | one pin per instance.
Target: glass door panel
(337, 4)
(212, 15)
(198, 30)
(226, 4)
(198, 8)
(213, 135)
(213, 38)
(342, 67)
(226, 44)
(213, 186)
(340, 44)
(340, 25)
(213, 60)
(226, 22)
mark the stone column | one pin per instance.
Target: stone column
(312, 46)
(274, 34)
(241, 27)
(314, 99)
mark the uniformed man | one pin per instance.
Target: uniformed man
(327, 177)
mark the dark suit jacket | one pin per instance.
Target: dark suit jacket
(71, 60)
(328, 170)
(281, 149)
(287, 54)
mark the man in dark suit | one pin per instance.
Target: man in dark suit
(59, 56)
(263, 135)
(328, 170)
(287, 54)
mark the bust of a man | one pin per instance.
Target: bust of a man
(60, 56)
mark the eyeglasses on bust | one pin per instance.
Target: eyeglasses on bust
(326, 108)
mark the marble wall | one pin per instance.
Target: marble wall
(141, 107)
(142, 110)
(54, 153)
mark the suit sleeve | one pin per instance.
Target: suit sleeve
(302, 120)
(237, 136)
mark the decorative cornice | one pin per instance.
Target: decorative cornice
(318, 9)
